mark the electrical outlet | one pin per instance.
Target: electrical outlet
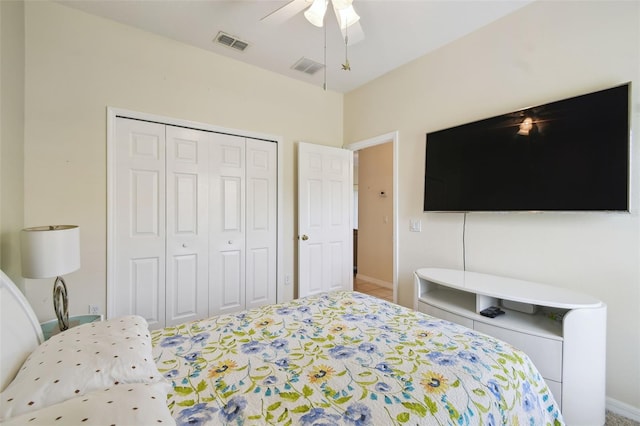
(94, 310)
(287, 279)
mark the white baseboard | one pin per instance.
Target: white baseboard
(376, 281)
(622, 409)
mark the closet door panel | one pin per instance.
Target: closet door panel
(139, 221)
(261, 208)
(184, 304)
(145, 288)
(259, 282)
(187, 242)
(232, 209)
(227, 224)
(231, 293)
(145, 203)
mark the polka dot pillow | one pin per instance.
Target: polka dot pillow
(134, 404)
(86, 358)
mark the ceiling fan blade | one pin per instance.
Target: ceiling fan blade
(285, 12)
(354, 33)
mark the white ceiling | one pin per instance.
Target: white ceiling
(396, 31)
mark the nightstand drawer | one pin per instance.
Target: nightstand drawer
(546, 354)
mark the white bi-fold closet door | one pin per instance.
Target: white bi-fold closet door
(194, 222)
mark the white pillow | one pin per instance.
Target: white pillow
(89, 357)
(133, 404)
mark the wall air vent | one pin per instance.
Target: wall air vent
(307, 66)
(231, 41)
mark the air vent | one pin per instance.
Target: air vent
(231, 41)
(307, 66)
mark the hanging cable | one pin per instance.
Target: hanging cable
(464, 249)
(324, 84)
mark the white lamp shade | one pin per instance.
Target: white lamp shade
(347, 16)
(50, 251)
(315, 13)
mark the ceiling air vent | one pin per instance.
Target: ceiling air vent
(307, 66)
(231, 41)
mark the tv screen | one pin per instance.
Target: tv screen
(569, 155)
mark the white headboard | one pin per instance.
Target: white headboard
(20, 331)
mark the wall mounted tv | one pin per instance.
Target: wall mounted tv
(569, 155)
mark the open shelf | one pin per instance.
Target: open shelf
(464, 303)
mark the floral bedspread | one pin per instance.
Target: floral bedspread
(350, 359)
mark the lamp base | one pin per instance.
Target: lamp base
(61, 303)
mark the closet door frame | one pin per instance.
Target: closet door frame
(283, 291)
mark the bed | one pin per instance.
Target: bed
(337, 358)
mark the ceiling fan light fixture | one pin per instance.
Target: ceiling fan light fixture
(345, 12)
(347, 16)
(315, 13)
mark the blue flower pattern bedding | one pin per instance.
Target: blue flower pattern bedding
(345, 358)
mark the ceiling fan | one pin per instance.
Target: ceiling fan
(346, 16)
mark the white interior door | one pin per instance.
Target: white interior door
(187, 243)
(139, 221)
(325, 235)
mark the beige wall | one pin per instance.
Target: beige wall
(539, 54)
(11, 136)
(77, 65)
(375, 214)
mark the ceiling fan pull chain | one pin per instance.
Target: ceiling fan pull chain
(346, 66)
(324, 85)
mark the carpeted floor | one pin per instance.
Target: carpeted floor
(616, 420)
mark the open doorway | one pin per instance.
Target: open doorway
(375, 207)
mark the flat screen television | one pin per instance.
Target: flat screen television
(569, 155)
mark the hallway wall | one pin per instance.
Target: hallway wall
(375, 214)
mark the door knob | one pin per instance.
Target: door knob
(305, 237)
(230, 242)
(184, 245)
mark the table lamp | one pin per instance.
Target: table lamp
(51, 251)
